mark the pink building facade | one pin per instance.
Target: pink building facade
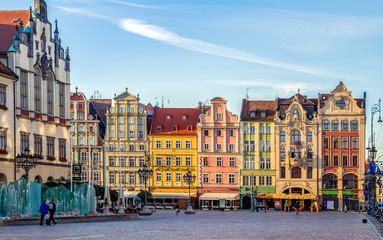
(218, 156)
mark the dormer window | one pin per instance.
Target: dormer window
(263, 114)
(159, 128)
(323, 98)
(252, 114)
(174, 128)
(291, 100)
(184, 117)
(218, 116)
(168, 117)
(16, 20)
(190, 128)
(303, 100)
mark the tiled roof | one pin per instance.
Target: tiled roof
(167, 118)
(8, 29)
(258, 107)
(101, 106)
(309, 105)
(77, 96)
(7, 71)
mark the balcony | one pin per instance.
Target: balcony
(296, 143)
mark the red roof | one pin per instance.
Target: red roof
(7, 71)
(77, 96)
(8, 29)
(175, 121)
(258, 107)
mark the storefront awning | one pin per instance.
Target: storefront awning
(309, 196)
(173, 195)
(294, 196)
(218, 196)
(280, 196)
(130, 194)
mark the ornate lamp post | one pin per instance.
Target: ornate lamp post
(189, 178)
(26, 161)
(145, 173)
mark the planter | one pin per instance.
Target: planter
(3, 152)
(51, 158)
(63, 160)
(40, 157)
(3, 107)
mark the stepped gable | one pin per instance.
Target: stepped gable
(268, 107)
(165, 119)
(8, 22)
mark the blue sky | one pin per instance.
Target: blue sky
(191, 51)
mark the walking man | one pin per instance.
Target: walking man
(296, 205)
(52, 210)
(43, 211)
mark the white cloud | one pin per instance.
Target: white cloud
(134, 4)
(82, 12)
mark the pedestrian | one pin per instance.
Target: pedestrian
(177, 211)
(43, 210)
(360, 209)
(296, 205)
(345, 209)
(52, 210)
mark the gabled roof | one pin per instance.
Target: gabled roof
(258, 107)
(161, 118)
(125, 95)
(309, 105)
(100, 106)
(8, 27)
(7, 71)
(77, 96)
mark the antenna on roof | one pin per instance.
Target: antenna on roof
(247, 93)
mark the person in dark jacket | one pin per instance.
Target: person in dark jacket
(52, 210)
(43, 211)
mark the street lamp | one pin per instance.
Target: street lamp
(145, 174)
(188, 178)
(26, 161)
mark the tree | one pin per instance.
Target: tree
(141, 195)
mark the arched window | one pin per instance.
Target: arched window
(50, 94)
(330, 181)
(296, 172)
(296, 136)
(354, 125)
(335, 125)
(350, 181)
(296, 153)
(340, 103)
(326, 125)
(37, 90)
(345, 125)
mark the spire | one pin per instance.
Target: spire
(56, 28)
(30, 14)
(76, 89)
(67, 54)
(299, 91)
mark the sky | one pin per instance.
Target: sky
(190, 51)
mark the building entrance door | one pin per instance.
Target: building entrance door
(246, 202)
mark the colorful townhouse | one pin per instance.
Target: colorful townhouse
(86, 140)
(258, 166)
(218, 156)
(173, 152)
(342, 149)
(127, 144)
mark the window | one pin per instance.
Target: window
(246, 164)
(296, 136)
(91, 141)
(310, 153)
(261, 129)
(120, 120)
(178, 161)
(218, 116)
(345, 161)
(283, 172)
(262, 146)
(95, 176)
(231, 178)
(218, 178)
(354, 126)
(309, 172)
(268, 129)
(142, 147)
(3, 141)
(130, 109)
(158, 144)
(245, 180)
(344, 143)
(335, 125)
(205, 162)
(325, 160)
(206, 132)
(168, 177)
(111, 178)
(336, 143)
(158, 177)
(231, 132)
(187, 144)
(111, 161)
(168, 161)
(231, 147)
(142, 162)
(131, 162)
(263, 114)
(158, 161)
(340, 103)
(38, 142)
(283, 136)
(206, 146)
(326, 125)
(219, 162)
(232, 162)
(178, 177)
(252, 114)
(62, 100)
(350, 181)
(140, 120)
(252, 129)
(168, 144)
(295, 153)
(50, 95)
(344, 125)
(131, 178)
(354, 160)
(252, 163)
(218, 132)
(283, 154)
(268, 163)
(178, 144)
(261, 181)
(131, 120)
(159, 128)
(252, 146)
(141, 134)
(246, 129)
(269, 181)
(121, 134)
(37, 93)
(262, 163)
(219, 147)
(354, 143)
(122, 162)
(122, 109)
(62, 149)
(50, 146)
(309, 136)
(187, 161)
(325, 143)
(336, 160)
(23, 89)
(174, 128)
(83, 156)
(330, 181)
(205, 178)
(246, 146)
(131, 148)
(296, 172)
(81, 141)
(83, 176)
(268, 146)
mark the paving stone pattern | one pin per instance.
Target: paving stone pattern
(164, 224)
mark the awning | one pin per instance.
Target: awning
(309, 196)
(280, 196)
(263, 195)
(218, 196)
(171, 195)
(294, 196)
(130, 194)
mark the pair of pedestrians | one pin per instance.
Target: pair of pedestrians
(48, 208)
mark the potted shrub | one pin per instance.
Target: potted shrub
(39, 156)
(3, 152)
(3, 107)
(51, 158)
(63, 160)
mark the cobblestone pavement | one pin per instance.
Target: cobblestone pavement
(164, 224)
